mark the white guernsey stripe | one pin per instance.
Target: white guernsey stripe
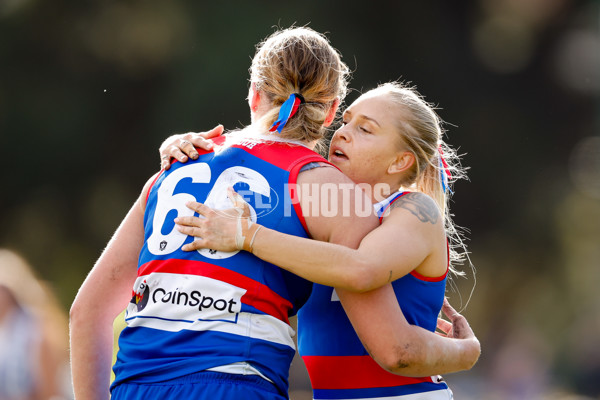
(255, 326)
(239, 368)
(173, 302)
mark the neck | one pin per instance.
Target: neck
(259, 132)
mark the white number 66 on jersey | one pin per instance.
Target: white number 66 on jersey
(160, 244)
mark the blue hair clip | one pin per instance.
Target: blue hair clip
(287, 111)
(443, 176)
(444, 171)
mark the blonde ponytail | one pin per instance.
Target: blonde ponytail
(299, 60)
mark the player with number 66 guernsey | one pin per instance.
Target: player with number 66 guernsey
(232, 307)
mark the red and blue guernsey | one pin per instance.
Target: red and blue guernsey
(211, 310)
(338, 364)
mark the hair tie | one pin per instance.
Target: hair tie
(287, 111)
(445, 174)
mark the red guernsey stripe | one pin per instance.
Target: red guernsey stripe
(389, 205)
(257, 295)
(429, 278)
(287, 157)
(152, 184)
(292, 185)
(282, 155)
(352, 372)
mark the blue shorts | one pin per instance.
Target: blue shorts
(201, 386)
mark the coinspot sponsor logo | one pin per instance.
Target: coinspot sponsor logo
(195, 299)
(185, 298)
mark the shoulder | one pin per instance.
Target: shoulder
(335, 209)
(323, 173)
(417, 204)
(143, 198)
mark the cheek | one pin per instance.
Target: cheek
(367, 154)
(365, 165)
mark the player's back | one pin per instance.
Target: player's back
(200, 310)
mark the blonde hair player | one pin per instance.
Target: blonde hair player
(391, 142)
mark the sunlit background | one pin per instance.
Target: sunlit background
(88, 91)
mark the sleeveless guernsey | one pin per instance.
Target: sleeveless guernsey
(338, 364)
(211, 310)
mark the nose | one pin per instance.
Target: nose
(342, 134)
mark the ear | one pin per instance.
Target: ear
(331, 113)
(254, 97)
(401, 163)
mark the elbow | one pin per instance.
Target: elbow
(360, 277)
(78, 312)
(75, 312)
(472, 353)
(400, 361)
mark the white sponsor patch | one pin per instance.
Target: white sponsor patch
(173, 302)
(187, 298)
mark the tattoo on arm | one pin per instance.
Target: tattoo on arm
(419, 205)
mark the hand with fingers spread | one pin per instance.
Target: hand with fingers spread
(183, 146)
(458, 328)
(223, 230)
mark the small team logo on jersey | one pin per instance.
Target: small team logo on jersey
(140, 297)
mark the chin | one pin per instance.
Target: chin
(337, 165)
(342, 167)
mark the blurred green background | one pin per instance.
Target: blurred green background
(89, 89)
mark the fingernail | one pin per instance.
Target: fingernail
(176, 220)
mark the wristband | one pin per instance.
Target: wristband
(250, 236)
(240, 232)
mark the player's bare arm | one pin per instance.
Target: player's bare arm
(406, 241)
(102, 296)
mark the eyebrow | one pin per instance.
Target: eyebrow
(364, 117)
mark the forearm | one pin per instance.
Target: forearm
(91, 354)
(102, 296)
(396, 345)
(423, 353)
(321, 262)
